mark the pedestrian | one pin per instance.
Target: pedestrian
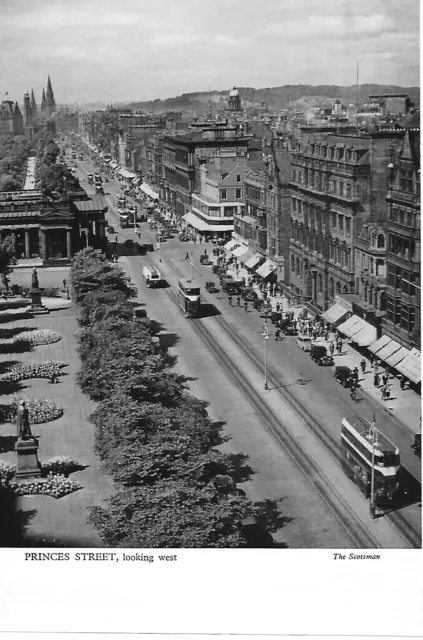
(403, 381)
(246, 305)
(376, 380)
(331, 348)
(355, 375)
(201, 239)
(230, 300)
(326, 336)
(385, 392)
(385, 378)
(277, 333)
(187, 256)
(363, 366)
(238, 300)
(278, 307)
(339, 346)
(64, 283)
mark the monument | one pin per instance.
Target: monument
(36, 305)
(27, 465)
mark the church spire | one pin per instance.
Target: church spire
(51, 103)
(43, 103)
(33, 103)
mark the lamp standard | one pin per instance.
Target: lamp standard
(373, 434)
(266, 338)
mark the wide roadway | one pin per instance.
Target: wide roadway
(311, 386)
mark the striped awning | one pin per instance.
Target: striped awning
(397, 357)
(231, 245)
(379, 344)
(334, 313)
(266, 269)
(365, 335)
(252, 262)
(347, 327)
(245, 257)
(411, 368)
(237, 253)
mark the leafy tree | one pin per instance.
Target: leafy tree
(92, 271)
(9, 183)
(173, 514)
(56, 177)
(7, 256)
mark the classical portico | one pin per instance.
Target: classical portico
(52, 231)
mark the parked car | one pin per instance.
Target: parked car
(342, 375)
(417, 444)
(211, 287)
(304, 342)
(149, 247)
(249, 294)
(289, 330)
(326, 361)
(204, 259)
(317, 352)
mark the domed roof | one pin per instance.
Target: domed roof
(234, 93)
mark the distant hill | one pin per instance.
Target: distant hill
(275, 97)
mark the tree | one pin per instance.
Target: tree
(7, 256)
(173, 515)
(92, 271)
(56, 177)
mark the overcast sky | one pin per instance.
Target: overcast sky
(138, 49)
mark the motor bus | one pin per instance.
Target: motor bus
(152, 276)
(189, 297)
(357, 447)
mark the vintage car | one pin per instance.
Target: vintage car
(249, 294)
(325, 361)
(317, 352)
(342, 375)
(211, 287)
(204, 259)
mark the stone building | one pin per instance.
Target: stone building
(11, 119)
(51, 232)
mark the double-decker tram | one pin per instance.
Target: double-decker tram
(361, 446)
(189, 297)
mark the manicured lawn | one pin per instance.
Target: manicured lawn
(62, 521)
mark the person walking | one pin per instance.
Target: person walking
(326, 336)
(64, 283)
(187, 256)
(385, 392)
(403, 381)
(238, 300)
(331, 349)
(246, 305)
(339, 346)
(201, 239)
(376, 380)
(230, 300)
(353, 389)
(277, 333)
(355, 375)
(363, 366)
(385, 378)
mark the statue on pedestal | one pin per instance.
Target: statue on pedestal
(22, 422)
(35, 283)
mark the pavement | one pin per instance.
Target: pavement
(404, 404)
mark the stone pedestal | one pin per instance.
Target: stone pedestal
(27, 465)
(36, 305)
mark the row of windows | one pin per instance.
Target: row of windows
(402, 247)
(320, 182)
(252, 193)
(401, 314)
(333, 153)
(375, 266)
(402, 216)
(401, 279)
(224, 194)
(298, 269)
(406, 180)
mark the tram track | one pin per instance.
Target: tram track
(273, 423)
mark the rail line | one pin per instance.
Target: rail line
(409, 533)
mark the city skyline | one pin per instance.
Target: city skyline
(99, 52)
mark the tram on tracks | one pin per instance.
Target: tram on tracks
(189, 297)
(359, 446)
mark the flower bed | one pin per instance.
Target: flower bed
(55, 483)
(37, 337)
(55, 486)
(39, 411)
(25, 371)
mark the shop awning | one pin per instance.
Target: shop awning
(266, 269)
(390, 348)
(366, 335)
(149, 191)
(231, 245)
(410, 367)
(253, 262)
(127, 174)
(246, 256)
(191, 219)
(377, 346)
(334, 313)
(347, 327)
(397, 357)
(237, 253)
(114, 165)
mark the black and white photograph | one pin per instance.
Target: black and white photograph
(210, 295)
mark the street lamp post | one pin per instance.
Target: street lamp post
(266, 338)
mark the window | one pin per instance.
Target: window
(348, 226)
(381, 241)
(294, 205)
(341, 223)
(238, 177)
(406, 180)
(294, 175)
(320, 283)
(332, 288)
(333, 220)
(238, 194)
(223, 194)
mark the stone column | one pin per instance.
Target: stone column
(27, 244)
(69, 243)
(43, 244)
(14, 239)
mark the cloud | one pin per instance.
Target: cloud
(174, 39)
(344, 27)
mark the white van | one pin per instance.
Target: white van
(152, 276)
(304, 342)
